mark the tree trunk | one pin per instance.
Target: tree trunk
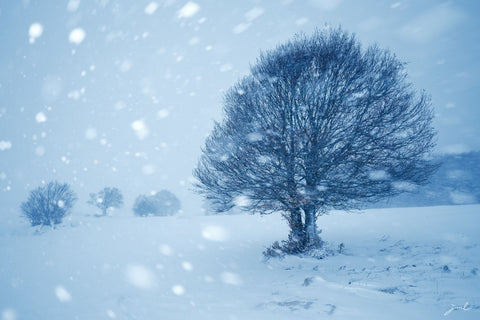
(312, 240)
(296, 238)
(296, 226)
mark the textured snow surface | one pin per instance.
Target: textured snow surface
(415, 263)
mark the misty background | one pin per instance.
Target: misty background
(124, 93)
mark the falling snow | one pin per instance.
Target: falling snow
(40, 151)
(5, 145)
(151, 8)
(90, 133)
(254, 13)
(188, 10)
(111, 314)
(403, 186)
(62, 294)
(187, 266)
(35, 31)
(231, 278)
(40, 117)
(239, 28)
(73, 5)
(178, 290)
(9, 314)
(148, 169)
(242, 201)
(214, 233)
(77, 36)
(162, 114)
(140, 276)
(165, 250)
(226, 67)
(254, 137)
(140, 129)
(462, 197)
(378, 175)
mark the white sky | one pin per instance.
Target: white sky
(123, 93)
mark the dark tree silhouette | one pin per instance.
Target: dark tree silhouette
(319, 124)
(162, 203)
(106, 198)
(48, 204)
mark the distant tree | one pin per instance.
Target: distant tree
(48, 204)
(162, 203)
(319, 124)
(106, 198)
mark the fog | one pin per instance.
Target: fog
(123, 93)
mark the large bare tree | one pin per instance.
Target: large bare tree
(320, 123)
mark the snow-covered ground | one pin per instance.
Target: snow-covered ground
(397, 264)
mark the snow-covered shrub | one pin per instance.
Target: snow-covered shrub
(106, 198)
(162, 203)
(274, 251)
(293, 246)
(48, 204)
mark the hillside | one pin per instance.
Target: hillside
(410, 263)
(457, 181)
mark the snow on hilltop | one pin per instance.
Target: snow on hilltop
(411, 263)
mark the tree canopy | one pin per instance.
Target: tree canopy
(319, 124)
(48, 204)
(162, 203)
(106, 198)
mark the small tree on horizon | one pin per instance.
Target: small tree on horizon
(106, 198)
(319, 124)
(162, 203)
(47, 205)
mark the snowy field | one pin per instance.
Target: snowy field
(410, 263)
